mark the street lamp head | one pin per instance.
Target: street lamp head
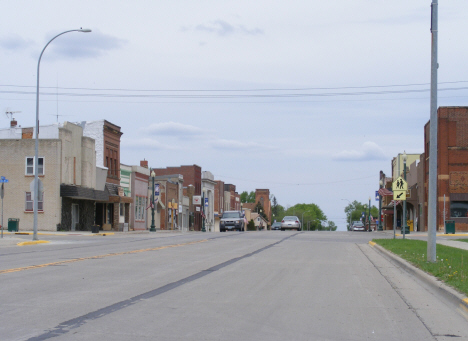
(153, 174)
(405, 157)
(85, 30)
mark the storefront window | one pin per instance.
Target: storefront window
(459, 209)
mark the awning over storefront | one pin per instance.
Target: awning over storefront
(385, 192)
(83, 193)
(115, 195)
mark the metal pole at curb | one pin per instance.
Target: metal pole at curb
(432, 195)
(3, 180)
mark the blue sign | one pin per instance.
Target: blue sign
(206, 202)
(156, 190)
(3, 180)
(377, 196)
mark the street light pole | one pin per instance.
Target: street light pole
(380, 206)
(153, 227)
(404, 228)
(349, 214)
(432, 183)
(368, 217)
(36, 158)
(203, 212)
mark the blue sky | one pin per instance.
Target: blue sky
(308, 99)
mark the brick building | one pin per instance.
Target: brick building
(170, 198)
(67, 169)
(263, 196)
(107, 143)
(139, 192)
(218, 202)
(452, 167)
(231, 198)
(192, 176)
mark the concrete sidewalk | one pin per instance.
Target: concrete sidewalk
(13, 238)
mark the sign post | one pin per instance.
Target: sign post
(3, 180)
(400, 187)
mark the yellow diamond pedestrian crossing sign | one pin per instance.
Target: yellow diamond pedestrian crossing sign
(400, 184)
(399, 187)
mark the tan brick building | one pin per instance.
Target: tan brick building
(67, 169)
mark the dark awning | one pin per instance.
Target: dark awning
(83, 193)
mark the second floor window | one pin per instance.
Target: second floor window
(30, 166)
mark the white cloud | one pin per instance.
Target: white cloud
(14, 42)
(173, 129)
(84, 45)
(233, 145)
(369, 151)
(223, 28)
(145, 143)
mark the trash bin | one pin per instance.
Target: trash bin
(13, 224)
(95, 228)
(450, 226)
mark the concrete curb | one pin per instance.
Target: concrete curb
(34, 242)
(440, 287)
(66, 234)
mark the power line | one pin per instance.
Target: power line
(294, 95)
(296, 184)
(244, 102)
(231, 90)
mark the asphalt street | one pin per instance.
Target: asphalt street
(217, 286)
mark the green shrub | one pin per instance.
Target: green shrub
(251, 226)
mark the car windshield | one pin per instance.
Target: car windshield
(290, 218)
(231, 215)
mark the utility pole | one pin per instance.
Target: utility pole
(432, 204)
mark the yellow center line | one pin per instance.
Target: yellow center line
(97, 257)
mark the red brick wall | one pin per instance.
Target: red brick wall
(219, 197)
(111, 153)
(232, 190)
(265, 194)
(452, 160)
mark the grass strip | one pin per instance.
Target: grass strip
(462, 240)
(451, 265)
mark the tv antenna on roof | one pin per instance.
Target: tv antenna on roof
(9, 112)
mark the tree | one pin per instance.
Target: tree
(310, 213)
(331, 226)
(277, 210)
(355, 210)
(246, 197)
(251, 225)
(259, 209)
